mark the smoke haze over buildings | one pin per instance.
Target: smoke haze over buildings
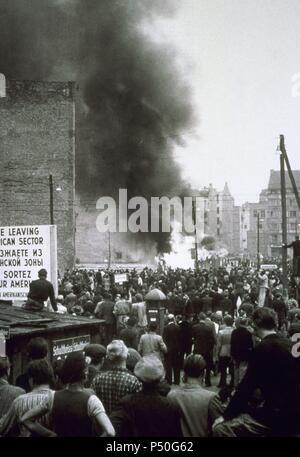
(134, 103)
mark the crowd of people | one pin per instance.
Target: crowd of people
(222, 365)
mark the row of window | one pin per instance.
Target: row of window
(262, 213)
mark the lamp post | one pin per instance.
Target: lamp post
(195, 233)
(58, 189)
(259, 220)
(51, 200)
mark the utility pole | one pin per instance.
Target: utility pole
(258, 255)
(284, 153)
(195, 233)
(284, 220)
(51, 200)
(109, 250)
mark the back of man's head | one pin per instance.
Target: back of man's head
(265, 318)
(228, 320)
(131, 321)
(40, 372)
(152, 327)
(139, 298)
(37, 348)
(241, 322)
(194, 366)
(42, 273)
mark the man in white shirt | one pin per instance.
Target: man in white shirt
(263, 287)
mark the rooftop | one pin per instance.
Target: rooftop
(40, 89)
(23, 322)
(274, 181)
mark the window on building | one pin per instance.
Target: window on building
(245, 227)
(262, 213)
(218, 220)
(218, 231)
(275, 202)
(217, 198)
(255, 213)
(218, 210)
(274, 238)
(292, 213)
(293, 227)
(118, 255)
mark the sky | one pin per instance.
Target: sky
(242, 61)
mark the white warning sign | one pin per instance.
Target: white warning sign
(24, 250)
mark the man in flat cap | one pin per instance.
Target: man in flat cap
(96, 353)
(147, 413)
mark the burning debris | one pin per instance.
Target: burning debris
(182, 247)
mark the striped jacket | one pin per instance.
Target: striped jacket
(9, 424)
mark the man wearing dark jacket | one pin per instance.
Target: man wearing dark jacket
(227, 304)
(130, 334)
(241, 348)
(186, 338)
(171, 337)
(216, 299)
(204, 337)
(105, 310)
(147, 413)
(39, 291)
(274, 372)
(280, 308)
(206, 302)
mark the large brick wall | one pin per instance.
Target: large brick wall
(37, 138)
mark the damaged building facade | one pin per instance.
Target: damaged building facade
(37, 139)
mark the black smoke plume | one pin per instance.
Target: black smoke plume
(134, 102)
(208, 242)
